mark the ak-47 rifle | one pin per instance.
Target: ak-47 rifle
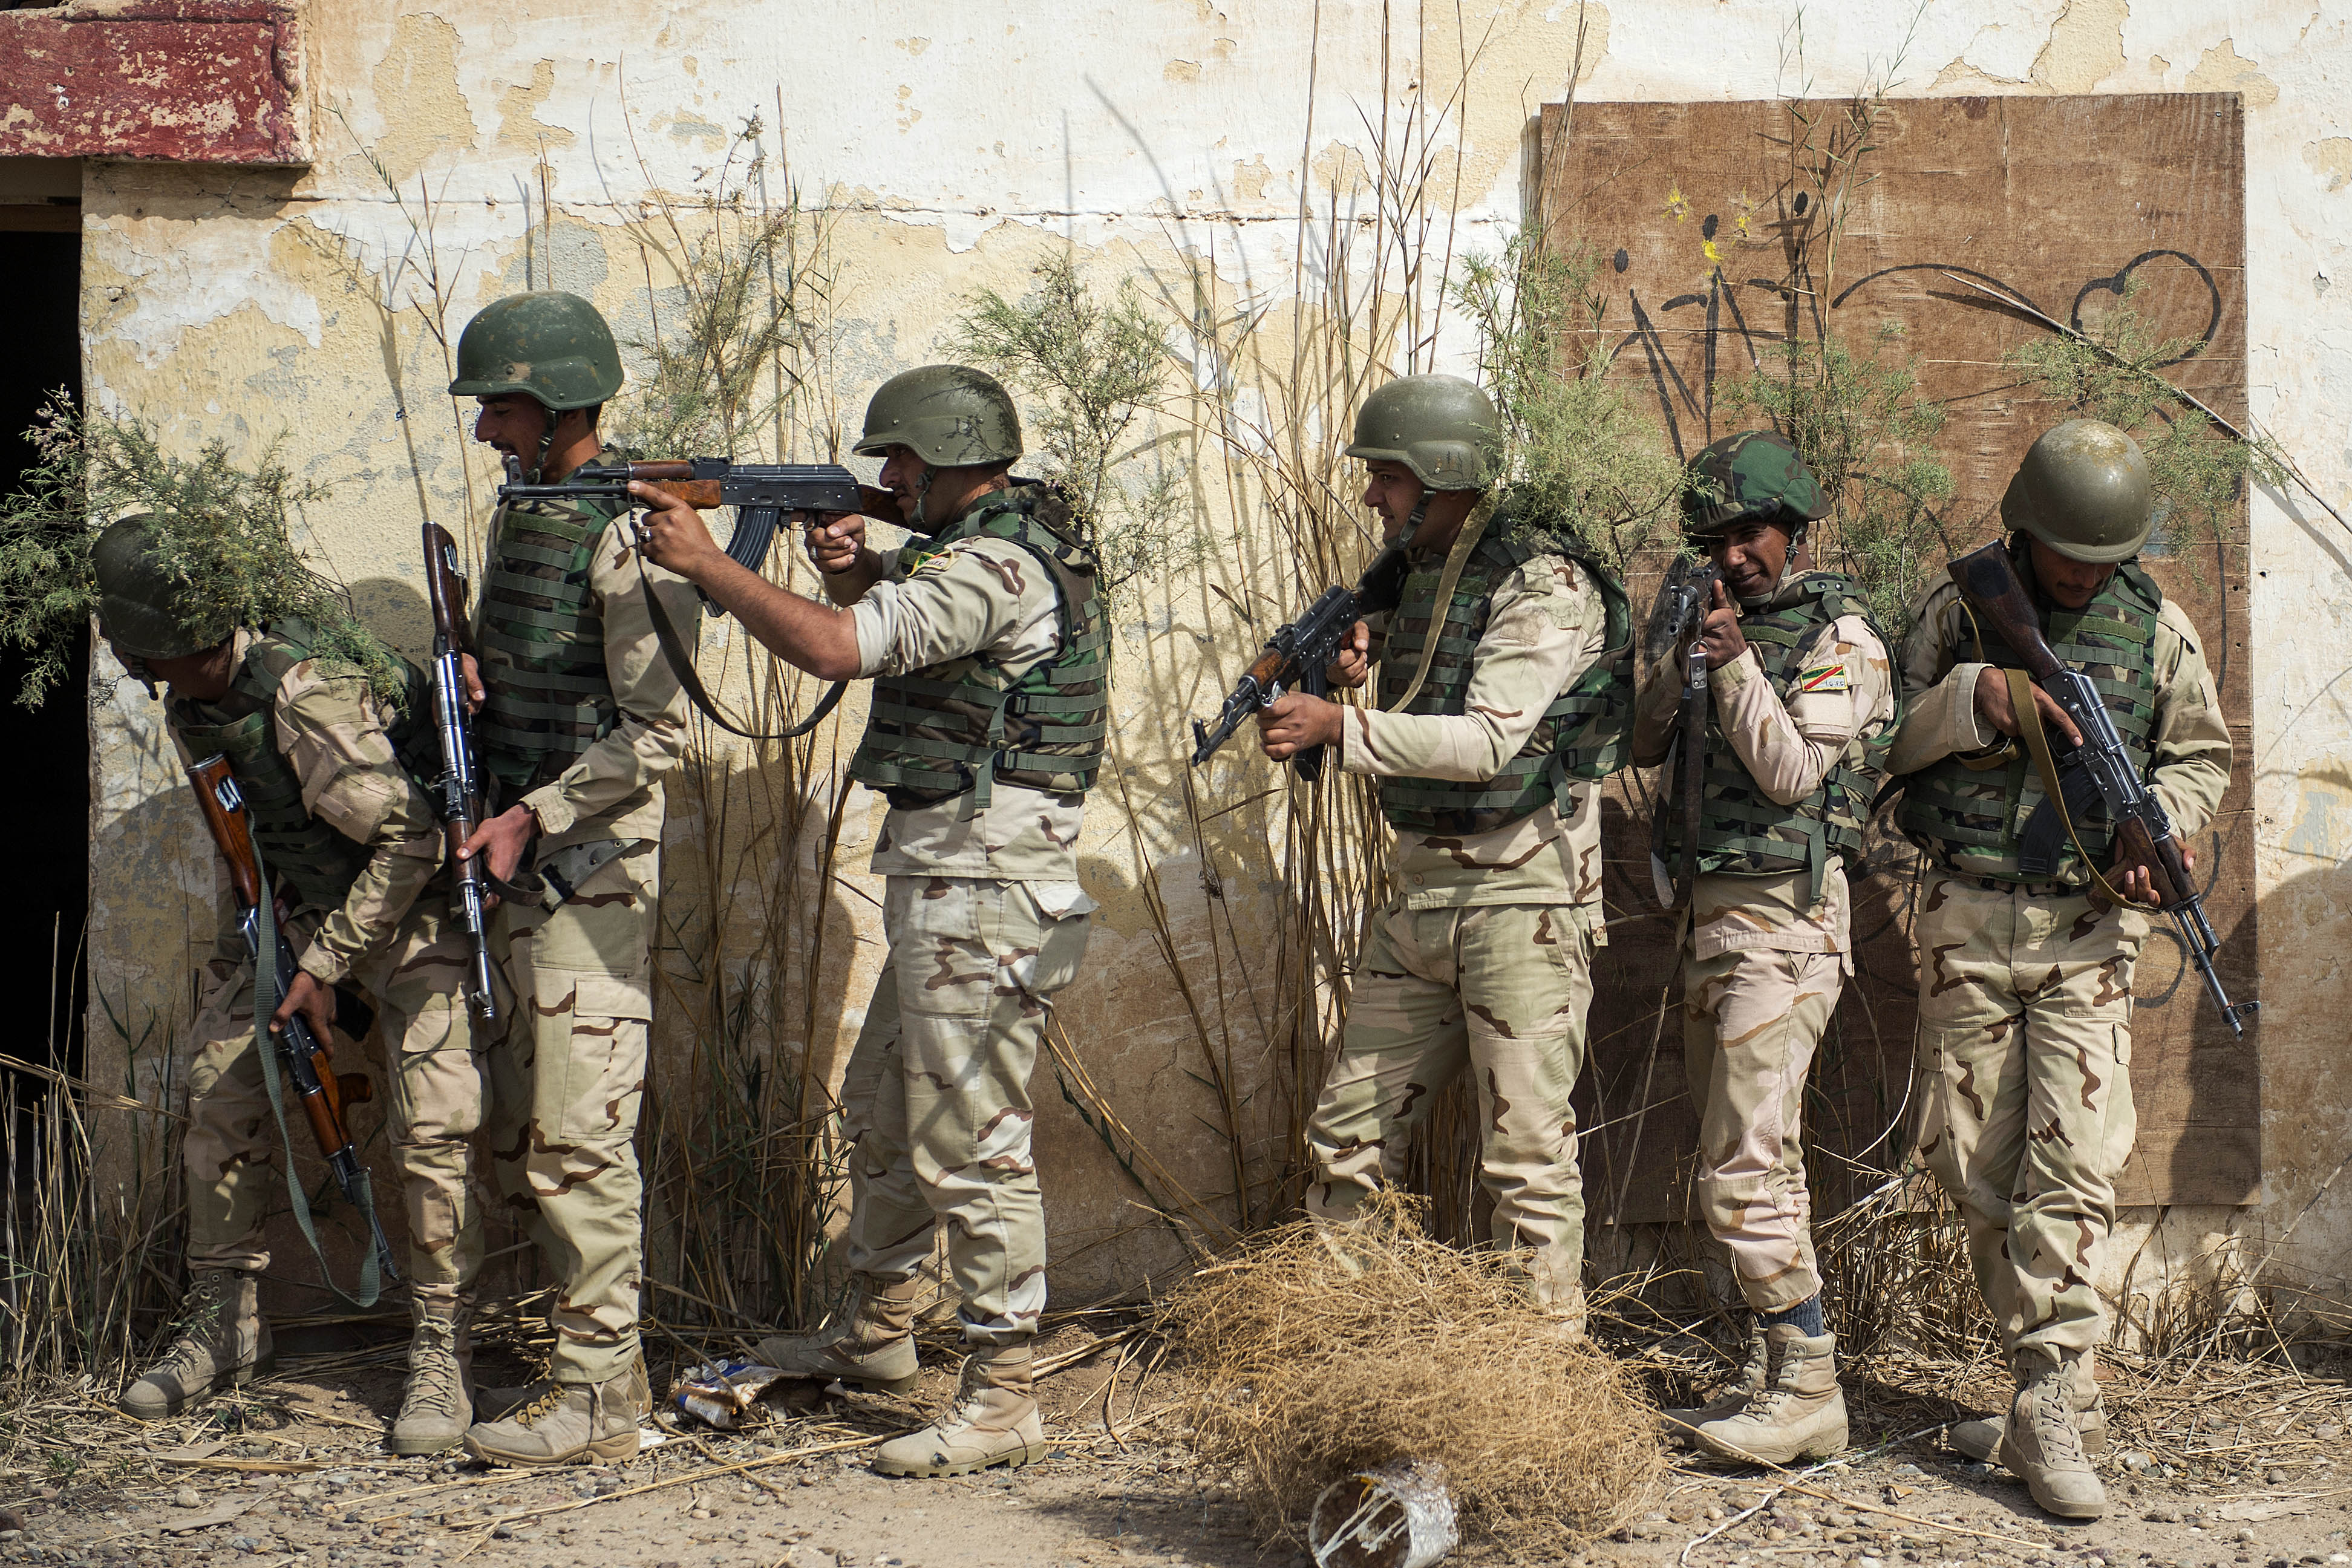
(309, 1063)
(2099, 769)
(460, 790)
(1684, 600)
(1299, 655)
(761, 493)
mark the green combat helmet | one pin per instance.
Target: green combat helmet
(1440, 426)
(2083, 491)
(550, 346)
(141, 610)
(1752, 475)
(950, 415)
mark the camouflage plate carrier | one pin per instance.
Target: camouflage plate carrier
(936, 733)
(317, 864)
(1972, 818)
(1745, 832)
(1584, 735)
(550, 695)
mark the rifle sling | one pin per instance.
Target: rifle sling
(682, 664)
(2022, 691)
(1473, 528)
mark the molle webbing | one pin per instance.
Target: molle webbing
(1972, 819)
(1582, 733)
(1746, 833)
(542, 641)
(936, 732)
(313, 861)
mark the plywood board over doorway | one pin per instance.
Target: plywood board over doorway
(1699, 215)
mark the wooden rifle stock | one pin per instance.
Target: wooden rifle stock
(1988, 580)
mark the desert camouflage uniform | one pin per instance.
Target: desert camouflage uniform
(558, 1082)
(1482, 957)
(331, 733)
(2025, 1001)
(1763, 959)
(985, 921)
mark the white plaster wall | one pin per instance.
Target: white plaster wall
(961, 141)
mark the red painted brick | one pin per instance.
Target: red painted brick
(198, 81)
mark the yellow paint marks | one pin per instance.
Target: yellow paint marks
(908, 113)
(1180, 70)
(912, 46)
(1250, 180)
(519, 106)
(2223, 69)
(2330, 158)
(424, 113)
(2086, 46)
(1677, 205)
(1339, 170)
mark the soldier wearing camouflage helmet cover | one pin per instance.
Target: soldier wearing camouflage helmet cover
(987, 648)
(1802, 695)
(330, 773)
(580, 721)
(2026, 954)
(1495, 664)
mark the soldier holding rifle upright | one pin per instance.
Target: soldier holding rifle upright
(1491, 664)
(327, 770)
(986, 642)
(1799, 689)
(2027, 927)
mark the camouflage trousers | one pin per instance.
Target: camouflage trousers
(1501, 989)
(2027, 1118)
(230, 1152)
(936, 1096)
(1752, 1022)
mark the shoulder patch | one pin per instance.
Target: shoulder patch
(1823, 678)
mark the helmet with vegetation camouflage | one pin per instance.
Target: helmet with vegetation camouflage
(1440, 426)
(548, 345)
(141, 610)
(1753, 476)
(2083, 491)
(950, 415)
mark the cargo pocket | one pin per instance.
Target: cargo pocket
(1062, 915)
(604, 1067)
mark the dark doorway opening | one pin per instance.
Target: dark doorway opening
(40, 277)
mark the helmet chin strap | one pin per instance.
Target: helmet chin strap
(546, 440)
(919, 522)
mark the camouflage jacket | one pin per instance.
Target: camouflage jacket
(331, 733)
(2189, 750)
(1787, 747)
(977, 595)
(1547, 625)
(614, 788)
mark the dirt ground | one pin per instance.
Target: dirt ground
(2215, 1465)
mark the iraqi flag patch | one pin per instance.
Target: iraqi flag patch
(1823, 678)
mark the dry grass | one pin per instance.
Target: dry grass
(1325, 1350)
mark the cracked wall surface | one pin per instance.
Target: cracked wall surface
(1176, 141)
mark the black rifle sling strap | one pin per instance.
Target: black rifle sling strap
(265, 1001)
(682, 664)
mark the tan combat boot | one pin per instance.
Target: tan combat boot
(994, 1421)
(870, 1344)
(437, 1404)
(223, 1341)
(568, 1423)
(1677, 1425)
(1980, 1439)
(2039, 1442)
(1800, 1411)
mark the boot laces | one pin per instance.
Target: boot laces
(433, 1368)
(2053, 1411)
(548, 1401)
(199, 1330)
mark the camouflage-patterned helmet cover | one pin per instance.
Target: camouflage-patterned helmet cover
(2084, 490)
(1440, 426)
(141, 610)
(548, 345)
(1752, 475)
(950, 415)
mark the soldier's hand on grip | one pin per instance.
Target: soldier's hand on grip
(834, 540)
(312, 999)
(671, 533)
(1351, 664)
(1296, 721)
(2136, 880)
(1993, 701)
(1719, 633)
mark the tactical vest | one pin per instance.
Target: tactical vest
(1971, 819)
(936, 732)
(314, 863)
(1742, 831)
(549, 696)
(1581, 735)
